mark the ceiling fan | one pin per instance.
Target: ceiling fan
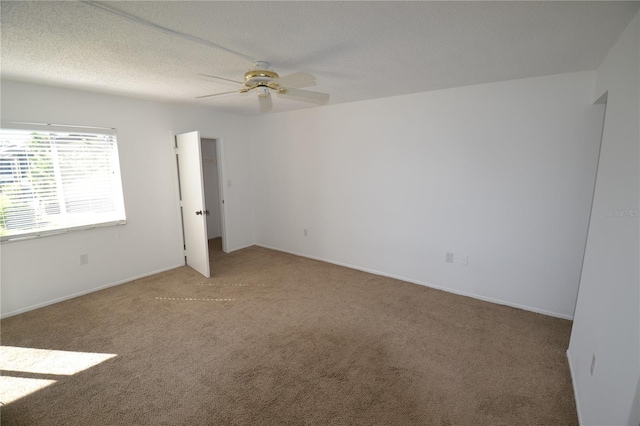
(263, 80)
(259, 77)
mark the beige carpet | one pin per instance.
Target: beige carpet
(277, 339)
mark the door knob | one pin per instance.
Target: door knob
(199, 212)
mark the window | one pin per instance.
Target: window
(54, 179)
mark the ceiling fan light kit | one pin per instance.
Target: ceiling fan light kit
(263, 91)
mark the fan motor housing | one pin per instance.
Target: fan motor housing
(259, 77)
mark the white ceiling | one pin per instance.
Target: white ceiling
(357, 50)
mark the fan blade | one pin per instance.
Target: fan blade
(218, 94)
(220, 78)
(306, 96)
(266, 103)
(297, 80)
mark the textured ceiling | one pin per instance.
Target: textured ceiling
(357, 50)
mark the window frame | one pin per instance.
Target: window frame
(119, 214)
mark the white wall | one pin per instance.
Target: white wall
(41, 271)
(607, 318)
(502, 173)
(211, 188)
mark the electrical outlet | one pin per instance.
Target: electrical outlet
(305, 232)
(448, 257)
(84, 259)
(593, 363)
(464, 260)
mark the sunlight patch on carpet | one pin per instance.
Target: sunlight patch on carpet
(37, 362)
(14, 388)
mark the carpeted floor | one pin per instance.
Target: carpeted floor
(278, 339)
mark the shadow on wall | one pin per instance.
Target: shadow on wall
(634, 417)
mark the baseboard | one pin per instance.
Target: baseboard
(575, 390)
(347, 265)
(82, 293)
(426, 284)
(240, 248)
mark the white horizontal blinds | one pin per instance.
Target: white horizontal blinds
(25, 180)
(53, 181)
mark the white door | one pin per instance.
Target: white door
(194, 217)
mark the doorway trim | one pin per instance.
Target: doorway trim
(220, 177)
(221, 191)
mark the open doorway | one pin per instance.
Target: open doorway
(213, 189)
